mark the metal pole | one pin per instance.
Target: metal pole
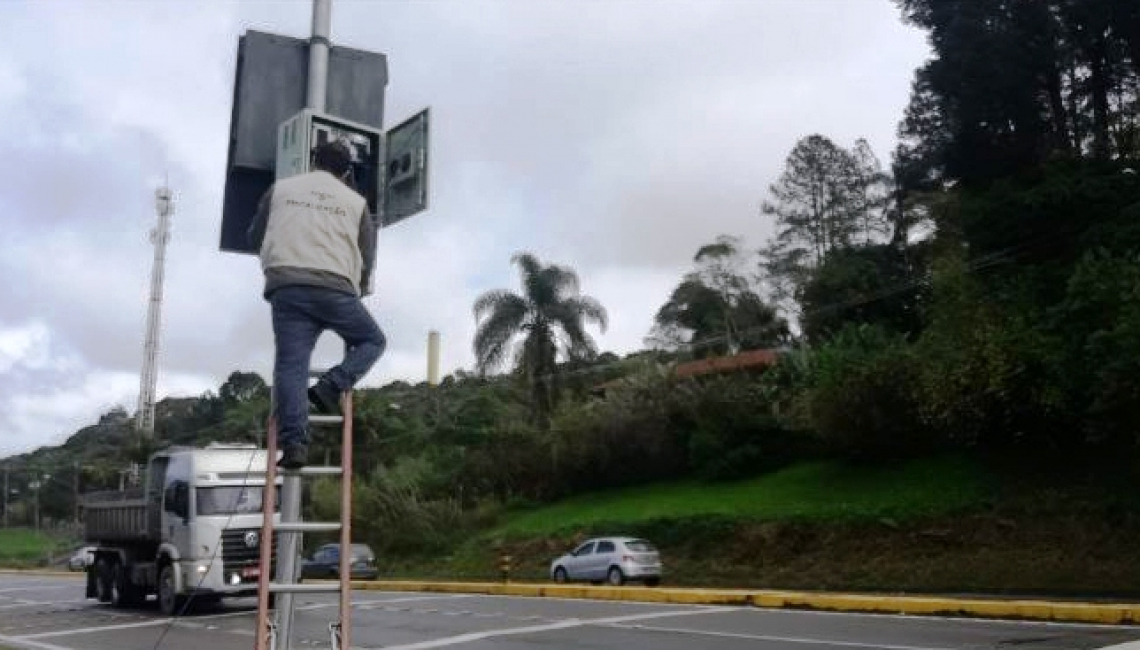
(288, 545)
(75, 490)
(319, 55)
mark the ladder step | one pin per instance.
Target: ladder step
(307, 527)
(307, 588)
(326, 419)
(314, 470)
(318, 372)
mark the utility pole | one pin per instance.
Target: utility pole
(75, 491)
(289, 544)
(35, 485)
(6, 493)
(164, 206)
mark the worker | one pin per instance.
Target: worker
(317, 245)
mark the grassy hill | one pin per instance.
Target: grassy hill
(818, 491)
(23, 547)
(934, 525)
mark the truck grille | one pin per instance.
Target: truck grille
(237, 555)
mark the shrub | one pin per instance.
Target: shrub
(860, 401)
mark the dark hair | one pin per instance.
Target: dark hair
(333, 157)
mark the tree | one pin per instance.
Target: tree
(1013, 84)
(827, 199)
(868, 284)
(242, 387)
(550, 314)
(718, 306)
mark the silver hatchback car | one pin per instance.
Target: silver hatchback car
(613, 559)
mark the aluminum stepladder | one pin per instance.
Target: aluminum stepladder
(270, 635)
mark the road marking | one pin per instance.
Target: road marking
(124, 626)
(561, 625)
(34, 587)
(769, 637)
(19, 643)
(30, 603)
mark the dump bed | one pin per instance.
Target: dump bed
(115, 516)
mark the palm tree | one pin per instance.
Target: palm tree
(549, 314)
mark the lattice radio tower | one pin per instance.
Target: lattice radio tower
(159, 235)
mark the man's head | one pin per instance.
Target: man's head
(334, 158)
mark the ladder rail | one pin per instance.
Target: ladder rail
(345, 576)
(263, 633)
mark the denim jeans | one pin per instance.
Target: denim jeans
(300, 315)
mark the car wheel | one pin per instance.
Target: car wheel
(560, 575)
(615, 577)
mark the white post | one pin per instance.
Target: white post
(433, 358)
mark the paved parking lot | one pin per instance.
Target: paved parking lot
(49, 613)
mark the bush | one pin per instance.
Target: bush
(860, 401)
(733, 432)
(990, 373)
(629, 436)
(1101, 314)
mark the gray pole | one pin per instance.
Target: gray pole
(319, 55)
(289, 544)
(75, 490)
(36, 487)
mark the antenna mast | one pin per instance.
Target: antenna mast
(159, 235)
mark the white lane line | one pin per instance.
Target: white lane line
(125, 626)
(36, 588)
(38, 645)
(561, 625)
(769, 637)
(30, 603)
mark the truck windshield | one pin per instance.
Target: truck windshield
(229, 500)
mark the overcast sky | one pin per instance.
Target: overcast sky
(613, 136)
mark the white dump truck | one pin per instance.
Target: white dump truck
(193, 529)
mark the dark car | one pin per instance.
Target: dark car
(325, 563)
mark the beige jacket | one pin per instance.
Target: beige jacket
(312, 229)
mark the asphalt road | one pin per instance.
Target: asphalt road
(48, 613)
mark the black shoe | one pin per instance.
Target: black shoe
(324, 398)
(293, 457)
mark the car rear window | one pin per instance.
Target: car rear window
(640, 546)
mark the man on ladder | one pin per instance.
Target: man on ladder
(317, 245)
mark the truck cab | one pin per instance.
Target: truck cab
(192, 530)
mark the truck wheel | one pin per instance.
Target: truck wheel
(169, 603)
(103, 580)
(124, 593)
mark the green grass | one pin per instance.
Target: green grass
(818, 491)
(27, 547)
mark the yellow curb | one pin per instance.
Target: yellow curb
(1072, 612)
